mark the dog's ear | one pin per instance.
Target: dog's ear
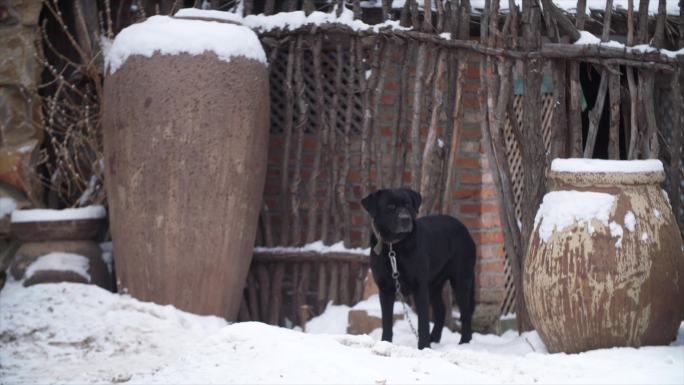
(370, 203)
(416, 199)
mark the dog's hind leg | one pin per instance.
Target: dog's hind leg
(438, 311)
(464, 289)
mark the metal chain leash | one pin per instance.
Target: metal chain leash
(395, 274)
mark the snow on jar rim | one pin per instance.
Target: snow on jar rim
(49, 215)
(603, 165)
(601, 172)
(172, 36)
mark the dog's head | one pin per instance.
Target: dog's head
(393, 211)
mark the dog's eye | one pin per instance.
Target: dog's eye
(391, 207)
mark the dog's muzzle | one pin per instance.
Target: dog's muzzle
(404, 223)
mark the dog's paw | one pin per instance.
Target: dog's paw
(435, 337)
(465, 339)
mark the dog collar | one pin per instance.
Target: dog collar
(378, 247)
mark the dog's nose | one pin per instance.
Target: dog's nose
(404, 219)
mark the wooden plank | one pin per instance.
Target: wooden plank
(333, 294)
(321, 288)
(277, 294)
(252, 296)
(264, 291)
(344, 283)
(302, 292)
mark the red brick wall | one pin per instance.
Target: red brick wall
(473, 193)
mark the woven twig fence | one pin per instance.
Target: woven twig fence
(288, 288)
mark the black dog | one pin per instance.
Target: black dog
(429, 251)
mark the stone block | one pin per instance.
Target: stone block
(486, 317)
(18, 50)
(27, 10)
(360, 322)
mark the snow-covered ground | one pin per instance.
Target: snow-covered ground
(73, 333)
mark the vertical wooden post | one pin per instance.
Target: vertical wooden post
(575, 108)
(252, 296)
(277, 293)
(322, 142)
(417, 108)
(430, 157)
(264, 292)
(342, 180)
(321, 288)
(344, 283)
(284, 167)
(302, 120)
(302, 292)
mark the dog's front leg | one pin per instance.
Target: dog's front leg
(387, 309)
(422, 303)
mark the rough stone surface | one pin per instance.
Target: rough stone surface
(30, 251)
(20, 128)
(18, 64)
(185, 140)
(360, 322)
(28, 11)
(584, 292)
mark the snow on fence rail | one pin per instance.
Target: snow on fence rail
(292, 284)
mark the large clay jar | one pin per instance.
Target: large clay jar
(186, 117)
(605, 265)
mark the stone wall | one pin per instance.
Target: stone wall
(20, 109)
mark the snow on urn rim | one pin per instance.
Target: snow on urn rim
(172, 36)
(603, 165)
(49, 215)
(601, 172)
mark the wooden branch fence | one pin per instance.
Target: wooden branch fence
(288, 288)
(347, 68)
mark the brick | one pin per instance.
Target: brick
(470, 146)
(472, 116)
(491, 252)
(491, 266)
(471, 177)
(489, 295)
(487, 177)
(464, 193)
(490, 280)
(471, 132)
(480, 208)
(473, 71)
(353, 176)
(391, 85)
(309, 143)
(471, 102)
(387, 99)
(488, 193)
(482, 222)
(489, 237)
(468, 162)
(471, 86)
